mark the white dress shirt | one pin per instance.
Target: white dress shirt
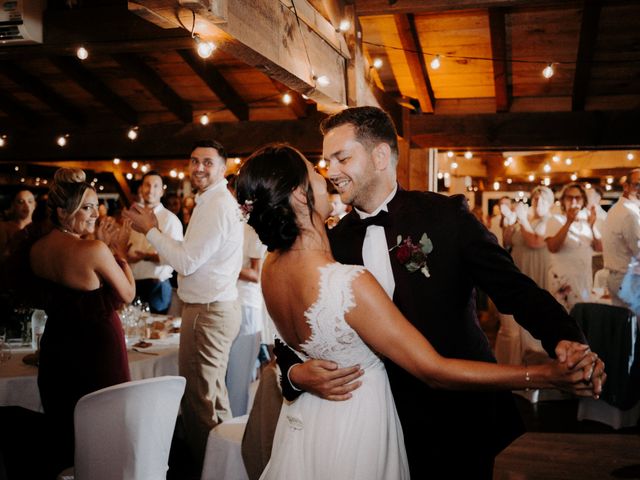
(168, 224)
(620, 235)
(375, 251)
(209, 259)
(249, 292)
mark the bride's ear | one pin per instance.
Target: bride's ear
(299, 195)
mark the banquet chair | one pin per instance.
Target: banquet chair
(124, 432)
(611, 332)
(600, 278)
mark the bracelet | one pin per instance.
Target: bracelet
(527, 377)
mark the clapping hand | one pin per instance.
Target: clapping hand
(115, 235)
(572, 214)
(142, 219)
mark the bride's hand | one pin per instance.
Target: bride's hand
(584, 380)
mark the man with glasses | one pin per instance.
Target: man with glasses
(621, 235)
(208, 262)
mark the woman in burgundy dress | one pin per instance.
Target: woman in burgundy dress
(82, 348)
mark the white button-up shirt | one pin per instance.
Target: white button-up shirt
(209, 259)
(621, 234)
(170, 225)
(375, 251)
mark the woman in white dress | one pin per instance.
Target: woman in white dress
(572, 238)
(324, 309)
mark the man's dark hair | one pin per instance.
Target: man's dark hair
(371, 124)
(211, 144)
(152, 173)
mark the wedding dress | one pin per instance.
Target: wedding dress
(360, 438)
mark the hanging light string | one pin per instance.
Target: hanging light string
(491, 59)
(304, 43)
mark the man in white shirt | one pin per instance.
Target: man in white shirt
(208, 263)
(151, 272)
(621, 234)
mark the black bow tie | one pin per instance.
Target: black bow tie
(382, 219)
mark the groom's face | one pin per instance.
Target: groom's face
(350, 166)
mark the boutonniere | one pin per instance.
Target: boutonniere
(414, 255)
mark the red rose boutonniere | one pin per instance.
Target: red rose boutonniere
(414, 255)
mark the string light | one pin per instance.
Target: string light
(450, 154)
(509, 181)
(62, 140)
(237, 160)
(546, 168)
(204, 119)
(22, 180)
(344, 26)
(531, 177)
(546, 181)
(548, 71)
(608, 187)
(116, 161)
(610, 180)
(573, 177)
(496, 186)
(468, 155)
(82, 53)
(173, 174)
(181, 175)
(454, 165)
(134, 165)
(587, 186)
(435, 63)
(204, 48)
(287, 98)
(568, 161)
(3, 142)
(322, 81)
(377, 63)
(144, 168)
(440, 175)
(630, 156)
(101, 187)
(132, 133)
(555, 158)
(16, 168)
(322, 163)
(508, 162)
(129, 176)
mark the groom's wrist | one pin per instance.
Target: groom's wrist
(293, 385)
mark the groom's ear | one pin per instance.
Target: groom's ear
(381, 156)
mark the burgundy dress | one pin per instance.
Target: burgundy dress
(82, 350)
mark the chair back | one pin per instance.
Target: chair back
(611, 332)
(124, 432)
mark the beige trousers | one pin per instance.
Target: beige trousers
(206, 335)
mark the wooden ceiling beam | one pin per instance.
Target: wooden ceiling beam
(268, 36)
(217, 84)
(16, 109)
(413, 53)
(541, 130)
(73, 68)
(498, 33)
(586, 50)
(298, 105)
(163, 141)
(33, 85)
(389, 7)
(152, 81)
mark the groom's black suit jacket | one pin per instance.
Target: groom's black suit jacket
(441, 426)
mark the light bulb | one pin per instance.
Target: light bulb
(556, 158)
(116, 161)
(468, 155)
(548, 71)
(204, 119)
(2, 142)
(587, 185)
(509, 181)
(435, 63)
(322, 163)
(608, 187)
(531, 177)
(62, 140)
(630, 156)
(16, 168)
(101, 187)
(129, 176)
(287, 98)
(134, 165)
(323, 81)
(546, 168)
(144, 168)
(450, 154)
(181, 175)
(568, 161)
(205, 49)
(173, 174)
(440, 175)
(609, 180)
(237, 160)
(132, 133)
(82, 53)
(496, 186)
(547, 181)
(377, 63)
(573, 177)
(344, 25)
(454, 165)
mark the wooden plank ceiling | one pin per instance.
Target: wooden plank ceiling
(488, 94)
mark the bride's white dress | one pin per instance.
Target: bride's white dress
(360, 438)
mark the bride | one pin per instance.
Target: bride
(327, 310)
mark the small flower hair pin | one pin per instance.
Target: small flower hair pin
(414, 256)
(245, 209)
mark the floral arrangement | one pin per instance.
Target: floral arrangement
(414, 255)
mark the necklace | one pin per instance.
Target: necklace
(64, 230)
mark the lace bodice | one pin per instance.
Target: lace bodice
(332, 338)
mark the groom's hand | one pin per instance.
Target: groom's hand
(325, 379)
(579, 356)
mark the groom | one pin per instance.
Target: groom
(447, 434)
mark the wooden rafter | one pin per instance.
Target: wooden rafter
(497, 30)
(391, 7)
(73, 68)
(412, 50)
(601, 129)
(43, 92)
(586, 49)
(217, 84)
(148, 77)
(14, 108)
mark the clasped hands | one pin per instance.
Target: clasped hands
(581, 370)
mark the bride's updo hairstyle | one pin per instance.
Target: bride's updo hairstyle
(66, 192)
(265, 183)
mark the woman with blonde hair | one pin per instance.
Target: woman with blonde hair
(85, 281)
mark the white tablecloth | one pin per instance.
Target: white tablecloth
(18, 381)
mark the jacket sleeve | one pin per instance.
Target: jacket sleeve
(492, 269)
(286, 358)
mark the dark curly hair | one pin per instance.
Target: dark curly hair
(265, 182)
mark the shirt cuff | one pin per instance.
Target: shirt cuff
(151, 234)
(289, 378)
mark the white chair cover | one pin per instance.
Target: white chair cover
(124, 432)
(223, 458)
(600, 278)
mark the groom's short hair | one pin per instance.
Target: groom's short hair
(372, 126)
